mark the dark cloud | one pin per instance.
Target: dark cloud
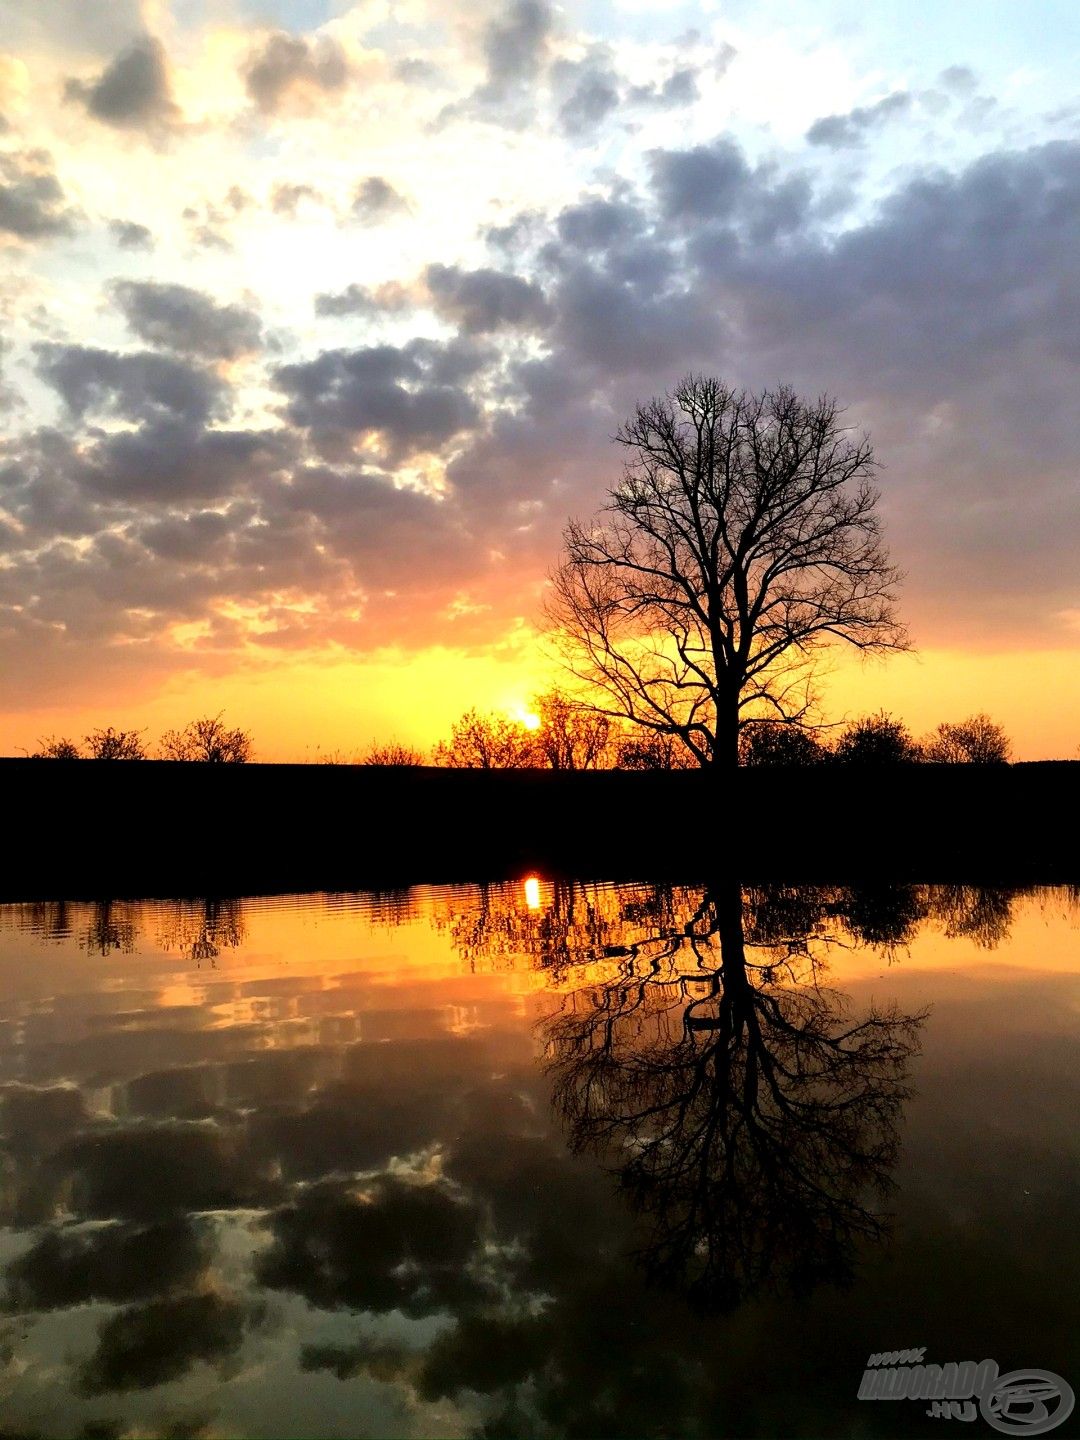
(701, 183)
(515, 48)
(411, 397)
(961, 79)
(587, 91)
(152, 1172)
(515, 45)
(482, 301)
(389, 1245)
(286, 199)
(112, 1263)
(148, 1345)
(680, 88)
(840, 132)
(32, 201)
(598, 224)
(288, 67)
(388, 299)
(133, 91)
(376, 200)
(129, 235)
(171, 461)
(135, 387)
(714, 184)
(182, 319)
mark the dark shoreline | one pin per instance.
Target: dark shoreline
(140, 828)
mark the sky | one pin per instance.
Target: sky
(317, 319)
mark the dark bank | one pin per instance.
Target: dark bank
(158, 827)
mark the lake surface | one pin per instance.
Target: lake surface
(534, 1159)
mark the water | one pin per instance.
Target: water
(532, 1159)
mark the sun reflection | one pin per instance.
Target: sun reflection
(532, 892)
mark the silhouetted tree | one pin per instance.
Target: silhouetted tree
(110, 744)
(975, 741)
(774, 743)
(741, 538)
(391, 753)
(571, 736)
(486, 742)
(207, 740)
(56, 747)
(876, 740)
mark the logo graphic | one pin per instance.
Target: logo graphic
(1022, 1402)
(1027, 1402)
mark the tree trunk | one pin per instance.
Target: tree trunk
(725, 756)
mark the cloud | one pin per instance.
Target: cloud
(133, 91)
(515, 49)
(129, 235)
(32, 201)
(288, 70)
(515, 45)
(840, 132)
(411, 397)
(151, 1344)
(187, 321)
(587, 91)
(395, 1246)
(286, 198)
(482, 301)
(388, 299)
(135, 387)
(680, 88)
(376, 200)
(114, 1263)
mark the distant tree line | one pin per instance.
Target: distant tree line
(207, 739)
(572, 736)
(569, 735)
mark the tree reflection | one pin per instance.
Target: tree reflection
(751, 1121)
(112, 925)
(201, 929)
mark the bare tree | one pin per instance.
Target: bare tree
(486, 742)
(741, 539)
(209, 740)
(56, 747)
(975, 741)
(110, 744)
(392, 753)
(571, 736)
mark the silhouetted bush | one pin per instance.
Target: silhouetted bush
(876, 740)
(207, 740)
(653, 752)
(975, 741)
(110, 744)
(56, 747)
(772, 743)
(392, 753)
